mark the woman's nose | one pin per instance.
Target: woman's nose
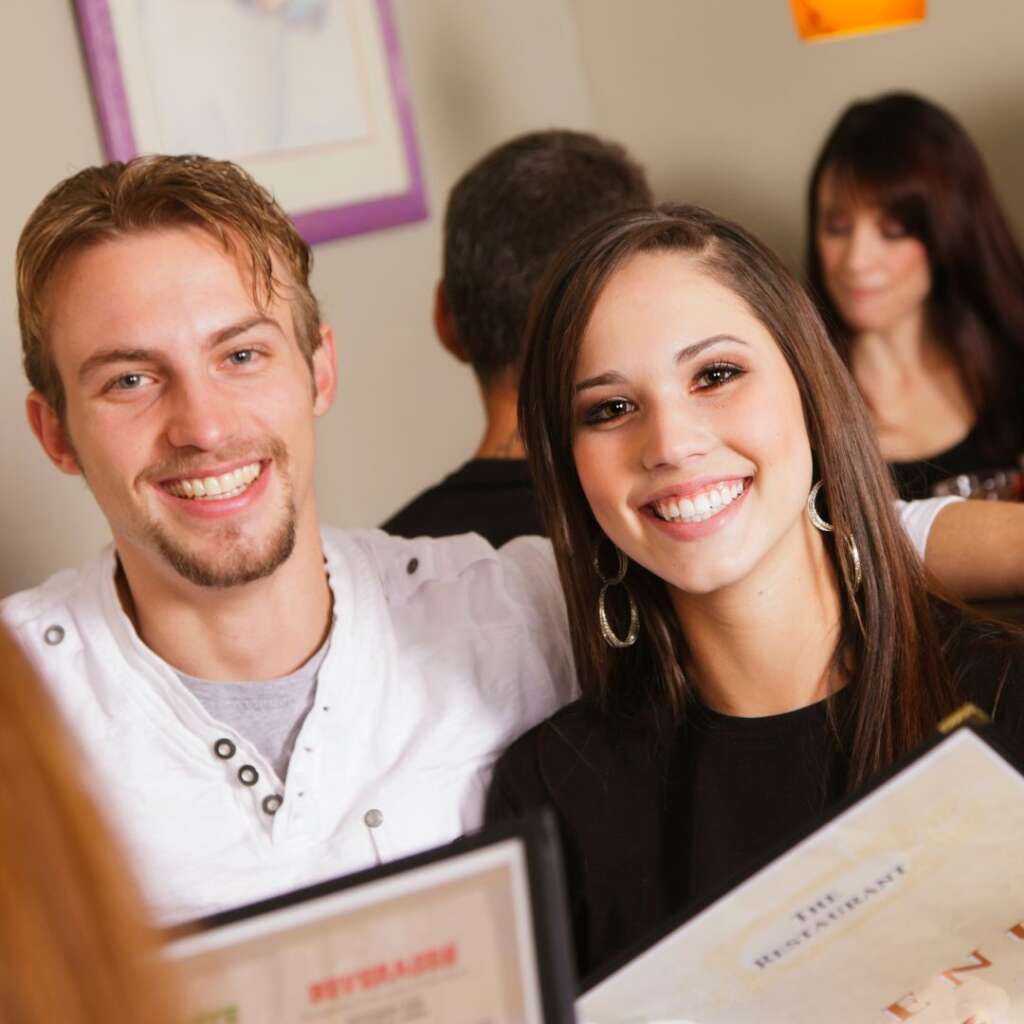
(672, 435)
(862, 248)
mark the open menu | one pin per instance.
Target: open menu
(906, 906)
(473, 933)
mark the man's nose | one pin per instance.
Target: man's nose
(672, 434)
(199, 417)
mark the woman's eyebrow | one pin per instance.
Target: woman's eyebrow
(601, 380)
(689, 352)
(697, 347)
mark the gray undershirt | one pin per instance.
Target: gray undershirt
(268, 712)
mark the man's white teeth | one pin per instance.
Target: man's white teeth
(227, 485)
(703, 506)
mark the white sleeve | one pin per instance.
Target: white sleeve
(916, 518)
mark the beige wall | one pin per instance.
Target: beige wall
(718, 97)
(727, 106)
(478, 71)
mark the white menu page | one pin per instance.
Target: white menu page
(909, 906)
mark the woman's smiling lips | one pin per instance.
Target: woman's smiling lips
(697, 508)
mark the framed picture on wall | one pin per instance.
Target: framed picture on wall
(307, 95)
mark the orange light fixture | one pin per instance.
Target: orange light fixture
(832, 19)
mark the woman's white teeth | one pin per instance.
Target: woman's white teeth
(227, 485)
(703, 506)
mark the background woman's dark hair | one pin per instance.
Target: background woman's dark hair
(900, 686)
(913, 160)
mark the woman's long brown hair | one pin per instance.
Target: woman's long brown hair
(75, 947)
(899, 685)
(914, 161)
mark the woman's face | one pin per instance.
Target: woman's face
(876, 274)
(690, 442)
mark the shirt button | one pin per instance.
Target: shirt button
(248, 776)
(224, 748)
(373, 818)
(54, 635)
(414, 564)
(272, 803)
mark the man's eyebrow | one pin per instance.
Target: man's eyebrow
(108, 356)
(690, 352)
(233, 330)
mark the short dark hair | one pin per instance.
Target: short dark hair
(508, 215)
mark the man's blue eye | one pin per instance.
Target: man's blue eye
(129, 381)
(242, 356)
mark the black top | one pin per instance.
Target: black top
(492, 497)
(653, 819)
(916, 479)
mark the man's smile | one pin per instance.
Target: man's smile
(225, 485)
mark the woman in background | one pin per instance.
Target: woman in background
(752, 630)
(918, 275)
(75, 947)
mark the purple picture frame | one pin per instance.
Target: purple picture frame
(320, 225)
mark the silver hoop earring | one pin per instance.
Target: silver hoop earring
(826, 527)
(607, 632)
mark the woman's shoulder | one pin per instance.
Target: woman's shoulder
(563, 738)
(574, 749)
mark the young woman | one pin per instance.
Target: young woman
(75, 945)
(752, 632)
(917, 271)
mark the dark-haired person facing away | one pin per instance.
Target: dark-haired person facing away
(753, 634)
(506, 218)
(915, 266)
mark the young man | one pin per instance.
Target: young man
(261, 703)
(507, 216)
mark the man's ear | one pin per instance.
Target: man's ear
(51, 434)
(444, 326)
(325, 372)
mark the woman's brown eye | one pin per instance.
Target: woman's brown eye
(609, 410)
(715, 376)
(835, 226)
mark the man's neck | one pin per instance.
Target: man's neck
(261, 630)
(501, 434)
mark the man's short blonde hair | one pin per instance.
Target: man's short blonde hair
(101, 204)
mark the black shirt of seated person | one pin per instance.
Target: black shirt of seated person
(492, 497)
(916, 479)
(653, 819)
